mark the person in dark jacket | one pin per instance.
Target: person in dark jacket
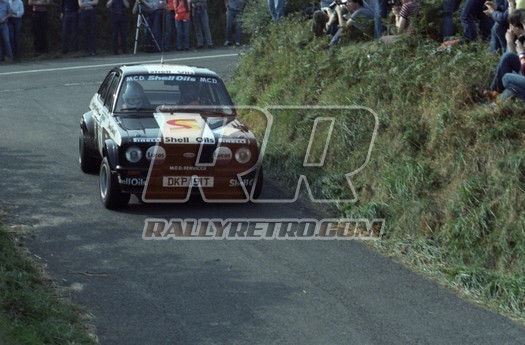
(69, 16)
(234, 9)
(119, 24)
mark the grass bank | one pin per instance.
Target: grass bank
(447, 173)
(31, 312)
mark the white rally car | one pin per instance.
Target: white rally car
(165, 132)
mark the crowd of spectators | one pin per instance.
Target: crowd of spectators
(500, 23)
(364, 19)
(161, 22)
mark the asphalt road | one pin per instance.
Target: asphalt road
(199, 292)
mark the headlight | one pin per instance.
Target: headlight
(223, 155)
(133, 154)
(243, 155)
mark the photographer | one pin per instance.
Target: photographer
(499, 13)
(515, 30)
(358, 24)
(332, 24)
(152, 11)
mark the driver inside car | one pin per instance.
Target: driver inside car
(134, 97)
(190, 94)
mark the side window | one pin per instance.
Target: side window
(112, 93)
(103, 90)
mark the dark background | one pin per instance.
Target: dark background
(216, 13)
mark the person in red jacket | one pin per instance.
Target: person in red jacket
(182, 21)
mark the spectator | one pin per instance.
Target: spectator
(498, 11)
(472, 12)
(5, 11)
(449, 8)
(69, 16)
(119, 24)
(152, 12)
(324, 22)
(381, 12)
(200, 22)
(310, 10)
(404, 14)
(88, 19)
(15, 26)
(372, 5)
(169, 32)
(514, 82)
(234, 9)
(276, 9)
(40, 9)
(509, 78)
(357, 23)
(332, 25)
(182, 19)
(516, 29)
(155, 23)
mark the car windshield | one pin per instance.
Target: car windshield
(148, 92)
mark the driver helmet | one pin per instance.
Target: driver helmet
(134, 95)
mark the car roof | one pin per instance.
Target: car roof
(166, 69)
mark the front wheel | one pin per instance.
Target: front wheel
(110, 193)
(88, 164)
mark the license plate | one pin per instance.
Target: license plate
(186, 181)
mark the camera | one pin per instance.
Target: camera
(337, 3)
(394, 3)
(521, 39)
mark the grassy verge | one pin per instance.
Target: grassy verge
(30, 311)
(447, 172)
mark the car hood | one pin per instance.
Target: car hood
(188, 125)
(139, 126)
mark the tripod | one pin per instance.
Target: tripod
(142, 20)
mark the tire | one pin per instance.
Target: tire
(258, 185)
(89, 165)
(110, 193)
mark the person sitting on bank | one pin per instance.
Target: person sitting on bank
(404, 15)
(358, 23)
